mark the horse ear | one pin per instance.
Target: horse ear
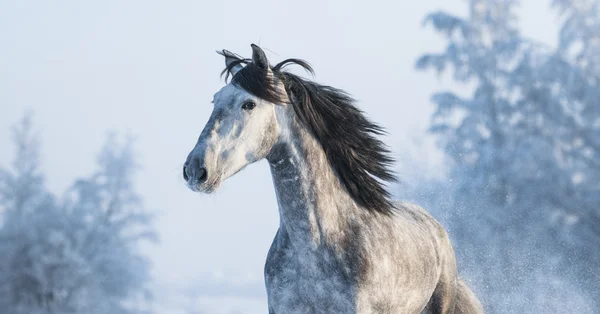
(230, 58)
(259, 58)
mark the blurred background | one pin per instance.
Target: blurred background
(492, 109)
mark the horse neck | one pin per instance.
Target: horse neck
(314, 208)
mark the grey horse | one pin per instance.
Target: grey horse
(343, 246)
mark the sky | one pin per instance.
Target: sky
(149, 68)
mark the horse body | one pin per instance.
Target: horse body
(330, 256)
(342, 245)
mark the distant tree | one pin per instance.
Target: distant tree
(565, 97)
(79, 254)
(25, 204)
(475, 130)
(524, 151)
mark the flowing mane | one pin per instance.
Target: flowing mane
(361, 161)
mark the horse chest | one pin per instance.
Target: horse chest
(303, 280)
(307, 282)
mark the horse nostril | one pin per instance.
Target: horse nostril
(193, 174)
(203, 175)
(185, 175)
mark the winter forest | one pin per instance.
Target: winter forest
(515, 121)
(62, 254)
(522, 193)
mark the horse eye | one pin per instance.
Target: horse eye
(249, 105)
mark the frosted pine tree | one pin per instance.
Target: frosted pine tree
(481, 49)
(28, 210)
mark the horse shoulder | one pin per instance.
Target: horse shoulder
(414, 213)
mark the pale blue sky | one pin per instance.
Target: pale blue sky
(150, 68)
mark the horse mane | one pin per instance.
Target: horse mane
(361, 161)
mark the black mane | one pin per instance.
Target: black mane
(348, 137)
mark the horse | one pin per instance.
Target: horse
(343, 246)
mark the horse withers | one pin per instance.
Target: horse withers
(343, 246)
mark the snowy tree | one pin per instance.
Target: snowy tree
(567, 95)
(524, 151)
(79, 254)
(481, 49)
(22, 197)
